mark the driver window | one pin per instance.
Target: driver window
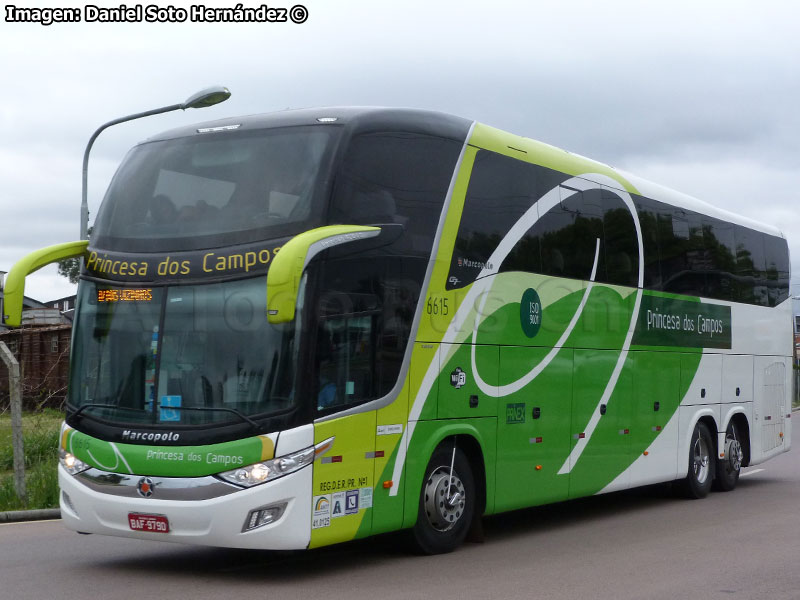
(345, 361)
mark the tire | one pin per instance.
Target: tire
(701, 463)
(441, 525)
(728, 468)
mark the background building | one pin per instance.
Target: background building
(41, 346)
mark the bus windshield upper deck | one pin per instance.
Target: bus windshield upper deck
(216, 189)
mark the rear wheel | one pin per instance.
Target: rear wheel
(701, 463)
(446, 503)
(729, 466)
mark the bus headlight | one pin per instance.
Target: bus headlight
(71, 463)
(263, 472)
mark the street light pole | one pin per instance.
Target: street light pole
(202, 99)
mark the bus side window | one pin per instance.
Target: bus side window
(501, 189)
(720, 250)
(621, 243)
(345, 361)
(777, 269)
(750, 266)
(648, 219)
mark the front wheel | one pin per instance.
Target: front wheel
(701, 463)
(446, 503)
(730, 465)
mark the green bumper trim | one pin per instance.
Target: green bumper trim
(283, 279)
(15, 283)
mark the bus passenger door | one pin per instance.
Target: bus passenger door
(343, 480)
(344, 473)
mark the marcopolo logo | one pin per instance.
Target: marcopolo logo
(145, 487)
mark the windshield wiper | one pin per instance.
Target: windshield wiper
(83, 407)
(239, 414)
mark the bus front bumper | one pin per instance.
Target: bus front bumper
(215, 513)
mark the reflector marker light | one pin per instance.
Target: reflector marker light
(656, 428)
(624, 431)
(535, 440)
(645, 452)
(387, 484)
(538, 467)
(579, 436)
(376, 454)
(768, 418)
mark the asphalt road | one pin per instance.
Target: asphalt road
(633, 545)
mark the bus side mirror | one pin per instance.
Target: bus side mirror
(15, 282)
(286, 270)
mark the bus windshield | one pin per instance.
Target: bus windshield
(190, 355)
(215, 189)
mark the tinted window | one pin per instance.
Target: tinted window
(697, 255)
(396, 178)
(569, 234)
(621, 244)
(750, 266)
(364, 311)
(649, 221)
(213, 189)
(721, 252)
(778, 269)
(501, 190)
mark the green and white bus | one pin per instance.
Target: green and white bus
(302, 328)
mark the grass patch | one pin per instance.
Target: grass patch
(40, 439)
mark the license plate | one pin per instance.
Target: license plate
(152, 523)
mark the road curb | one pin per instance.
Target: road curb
(15, 516)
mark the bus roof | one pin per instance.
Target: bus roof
(356, 118)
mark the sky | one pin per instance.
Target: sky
(700, 96)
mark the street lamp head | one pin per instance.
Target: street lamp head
(207, 97)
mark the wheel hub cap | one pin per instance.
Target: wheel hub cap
(734, 454)
(701, 460)
(444, 499)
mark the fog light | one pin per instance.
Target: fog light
(265, 515)
(67, 501)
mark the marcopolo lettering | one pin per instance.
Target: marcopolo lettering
(150, 436)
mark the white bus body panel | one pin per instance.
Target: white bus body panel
(214, 522)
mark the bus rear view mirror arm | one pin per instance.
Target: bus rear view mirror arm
(15, 282)
(286, 270)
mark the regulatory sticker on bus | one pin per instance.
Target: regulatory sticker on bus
(151, 523)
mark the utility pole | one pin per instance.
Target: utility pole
(15, 391)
